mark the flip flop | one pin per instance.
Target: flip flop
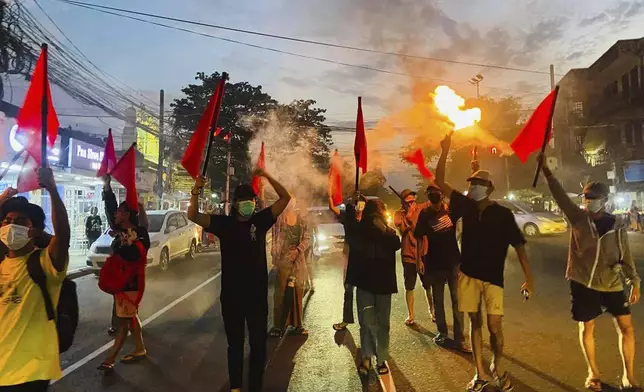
(383, 369)
(106, 367)
(409, 322)
(132, 358)
(340, 326)
(593, 384)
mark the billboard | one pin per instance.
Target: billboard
(633, 171)
(147, 143)
(85, 156)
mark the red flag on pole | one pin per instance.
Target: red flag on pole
(417, 158)
(28, 177)
(125, 173)
(261, 164)
(335, 179)
(109, 156)
(30, 117)
(194, 155)
(360, 143)
(531, 137)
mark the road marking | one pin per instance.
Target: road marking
(145, 322)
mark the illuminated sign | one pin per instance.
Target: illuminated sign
(147, 143)
(17, 142)
(85, 156)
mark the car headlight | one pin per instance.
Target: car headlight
(154, 244)
(322, 237)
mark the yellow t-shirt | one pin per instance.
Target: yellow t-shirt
(28, 341)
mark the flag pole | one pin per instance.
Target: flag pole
(13, 162)
(546, 136)
(213, 124)
(357, 187)
(44, 110)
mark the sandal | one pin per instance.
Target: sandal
(133, 358)
(409, 322)
(340, 326)
(301, 331)
(383, 369)
(275, 333)
(106, 367)
(363, 369)
(593, 384)
(477, 385)
(504, 382)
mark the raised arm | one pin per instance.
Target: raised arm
(59, 245)
(109, 198)
(440, 168)
(572, 212)
(194, 215)
(284, 197)
(7, 194)
(333, 208)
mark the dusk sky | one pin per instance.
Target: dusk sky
(519, 34)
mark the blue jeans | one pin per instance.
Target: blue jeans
(374, 311)
(347, 306)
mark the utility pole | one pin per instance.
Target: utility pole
(160, 167)
(228, 174)
(556, 146)
(476, 81)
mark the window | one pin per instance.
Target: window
(172, 222)
(155, 222)
(578, 109)
(181, 219)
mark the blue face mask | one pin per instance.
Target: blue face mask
(245, 208)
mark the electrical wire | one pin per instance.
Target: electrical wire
(301, 40)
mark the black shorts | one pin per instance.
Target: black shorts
(411, 274)
(588, 304)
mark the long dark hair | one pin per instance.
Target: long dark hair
(373, 209)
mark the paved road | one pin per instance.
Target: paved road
(187, 346)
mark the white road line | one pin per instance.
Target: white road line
(145, 322)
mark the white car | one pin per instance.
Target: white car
(172, 235)
(328, 231)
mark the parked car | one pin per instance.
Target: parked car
(329, 232)
(172, 235)
(535, 223)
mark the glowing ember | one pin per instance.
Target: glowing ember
(450, 105)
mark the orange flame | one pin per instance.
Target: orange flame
(450, 105)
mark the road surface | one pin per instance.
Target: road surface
(187, 346)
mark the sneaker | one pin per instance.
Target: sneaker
(440, 339)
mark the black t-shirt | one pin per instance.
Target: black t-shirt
(440, 229)
(604, 223)
(93, 226)
(244, 271)
(485, 239)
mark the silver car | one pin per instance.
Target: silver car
(535, 223)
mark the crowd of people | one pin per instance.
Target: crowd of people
(425, 233)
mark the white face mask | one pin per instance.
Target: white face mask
(15, 237)
(360, 205)
(594, 205)
(477, 192)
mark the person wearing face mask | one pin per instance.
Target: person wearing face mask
(372, 270)
(405, 221)
(356, 215)
(439, 265)
(244, 277)
(488, 230)
(29, 351)
(599, 255)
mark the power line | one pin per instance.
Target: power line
(364, 67)
(302, 40)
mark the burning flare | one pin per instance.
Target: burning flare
(450, 104)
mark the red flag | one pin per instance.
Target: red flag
(109, 156)
(193, 157)
(417, 158)
(28, 177)
(335, 179)
(261, 164)
(125, 173)
(531, 137)
(360, 143)
(30, 115)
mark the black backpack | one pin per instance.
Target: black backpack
(66, 314)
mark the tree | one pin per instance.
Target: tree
(240, 100)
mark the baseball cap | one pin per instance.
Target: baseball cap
(596, 190)
(407, 192)
(480, 175)
(433, 187)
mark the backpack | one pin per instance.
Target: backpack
(116, 273)
(66, 313)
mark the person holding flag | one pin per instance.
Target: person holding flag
(488, 230)
(244, 279)
(598, 256)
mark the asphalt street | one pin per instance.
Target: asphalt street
(187, 346)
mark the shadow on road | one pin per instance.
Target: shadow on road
(281, 365)
(345, 338)
(400, 381)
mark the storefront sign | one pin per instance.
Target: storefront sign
(16, 143)
(85, 156)
(633, 171)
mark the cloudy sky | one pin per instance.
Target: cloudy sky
(525, 34)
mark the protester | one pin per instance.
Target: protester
(405, 221)
(488, 230)
(439, 266)
(29, 351)
(131, 243)
(372, 270)
(347, 306)
(93, 227)
(244, 279)
(634, 215)
(599, 254)
(290, 244)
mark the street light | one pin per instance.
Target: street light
(475, 81)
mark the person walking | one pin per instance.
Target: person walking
(372, 270)
(488, 230)
(439, 265)
(599, 254)
(290, 244)
(244, 275)
(356, 215)
(405, 220)
(93, 227)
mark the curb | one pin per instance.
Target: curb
(78, 273)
